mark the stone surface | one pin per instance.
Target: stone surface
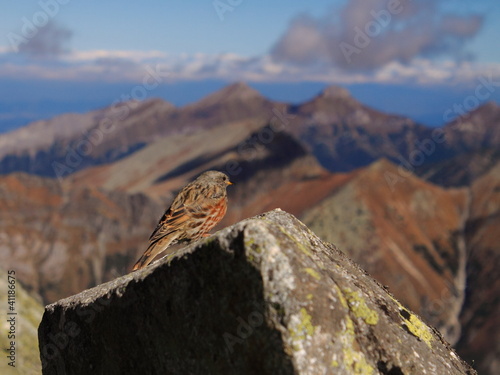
(264, 296)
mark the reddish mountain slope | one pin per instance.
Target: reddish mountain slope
(61, 240)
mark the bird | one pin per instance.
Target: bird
(196, 209)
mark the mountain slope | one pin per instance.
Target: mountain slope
(471, 148)
(67, 143)
(475, 130)
(185, 153)
(480, 318)
(61, 239)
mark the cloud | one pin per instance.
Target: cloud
(50, 40)
(134, 66)
(92, 55)
(365, 35)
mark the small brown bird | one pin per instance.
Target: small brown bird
(197, 208)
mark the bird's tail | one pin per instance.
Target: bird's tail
(151, 252)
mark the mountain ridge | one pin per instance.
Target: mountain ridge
(342, 133)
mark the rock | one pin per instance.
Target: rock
(264, 296)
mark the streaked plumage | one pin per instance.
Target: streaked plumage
(197, 208)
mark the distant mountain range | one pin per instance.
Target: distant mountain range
(417, 207)
(339, 131)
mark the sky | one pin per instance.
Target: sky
(413, 57)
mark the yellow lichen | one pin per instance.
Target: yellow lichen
(360, 309)
(415, 325)
(313, 273)
(253, 251)
(302, 330)
(354, 359)
(357, 362)
(341, 297)
(302, 248)
(419, 329)
(306, 324)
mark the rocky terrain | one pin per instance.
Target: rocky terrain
(415, 206)
(265, 296)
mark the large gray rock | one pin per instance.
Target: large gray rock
(265, 296)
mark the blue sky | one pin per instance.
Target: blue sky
(177, 26)
(171, 26)
(69, 55)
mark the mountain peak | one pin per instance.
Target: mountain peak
(332, 100)
(479, 126)
(488, 108)
(239, 91)
(483, 112)
(335, 92)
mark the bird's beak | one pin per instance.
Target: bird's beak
(229, 183)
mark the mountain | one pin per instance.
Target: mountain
(480, 318)
(470, 150)
(177, 157)
(69, 143)
(462, 169)
(236, 122)
(231, 103)
(475, 130)
(60, 239)
(343, 134)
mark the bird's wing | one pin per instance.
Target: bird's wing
(183, 208)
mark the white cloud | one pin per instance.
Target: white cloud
(137, 56)
(366, 35)
(130, 66)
